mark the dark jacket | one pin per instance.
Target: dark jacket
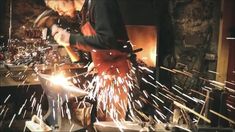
(106, 19)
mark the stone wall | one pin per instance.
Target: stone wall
(195, 30)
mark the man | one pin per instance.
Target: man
(104, 36)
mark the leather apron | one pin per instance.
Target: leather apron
(115, 64)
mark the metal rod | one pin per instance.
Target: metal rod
(192, 111)
(222, 116)
(10, 22)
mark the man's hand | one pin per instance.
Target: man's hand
(91, 69)
(55, 29)
(61, 36)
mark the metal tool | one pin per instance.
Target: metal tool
(56, 95)
(36, 124)
(192, 111)
(45, 20)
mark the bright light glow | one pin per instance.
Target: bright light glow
(59, 79)
(144, 37)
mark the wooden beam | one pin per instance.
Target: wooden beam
(223, 48)
(226, 23)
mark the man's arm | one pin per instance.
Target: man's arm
(107, 22)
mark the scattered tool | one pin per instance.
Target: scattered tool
(36, 124)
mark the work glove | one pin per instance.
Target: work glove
(60, 35)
